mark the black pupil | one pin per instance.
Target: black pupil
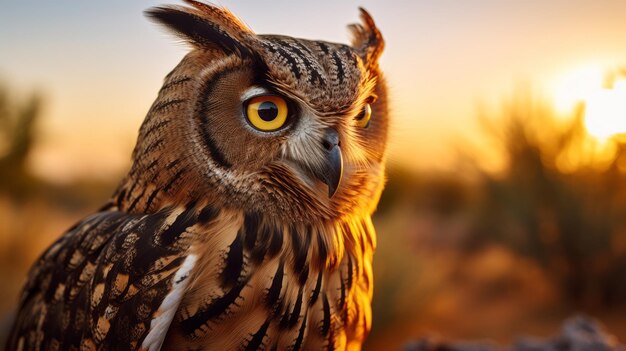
(268, 111)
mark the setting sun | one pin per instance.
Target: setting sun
(604, 102)
(605, 111)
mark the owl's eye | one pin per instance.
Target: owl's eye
(363, 119)
(266, 112)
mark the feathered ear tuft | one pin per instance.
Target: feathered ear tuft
(204, 25)
(366, 39)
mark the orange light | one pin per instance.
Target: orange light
(605, 107)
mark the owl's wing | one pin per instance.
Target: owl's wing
(114, 281)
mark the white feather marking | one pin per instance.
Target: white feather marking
(160, 325)
(252, 92)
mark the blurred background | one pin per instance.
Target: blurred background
(505, 209)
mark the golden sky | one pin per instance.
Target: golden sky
(100, 65)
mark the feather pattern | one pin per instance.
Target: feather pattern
(102, 283)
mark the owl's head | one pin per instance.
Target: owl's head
(284, 126)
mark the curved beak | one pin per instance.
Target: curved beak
(333, 168)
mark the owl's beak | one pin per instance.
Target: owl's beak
(331, 175)
(334, 170)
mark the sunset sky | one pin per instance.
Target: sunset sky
(100, 65)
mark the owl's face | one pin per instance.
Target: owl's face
(290, 127)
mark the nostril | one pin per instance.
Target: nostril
(331, 139)
(327, 145)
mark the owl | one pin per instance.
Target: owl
(245, 219)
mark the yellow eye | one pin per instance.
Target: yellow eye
(363, 119)
(267, 112)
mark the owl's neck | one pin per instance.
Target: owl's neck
(330, 240)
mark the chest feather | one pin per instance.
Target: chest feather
(260, 284)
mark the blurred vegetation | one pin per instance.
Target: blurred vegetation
(17, 129)
(482, 254)
(19, 133)
(570, 221)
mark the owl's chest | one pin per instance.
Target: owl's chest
(255, 287)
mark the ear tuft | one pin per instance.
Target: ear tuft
(204, 25)
(367, 39)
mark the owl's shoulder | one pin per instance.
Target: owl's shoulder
(112, 278)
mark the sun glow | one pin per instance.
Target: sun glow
(605, 111)
(603, 98)
(575, 86)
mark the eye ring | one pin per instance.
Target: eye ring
(363, 119)
(266, 113)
